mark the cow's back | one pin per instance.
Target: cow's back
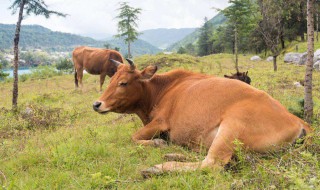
(194, 110)
(96, 60)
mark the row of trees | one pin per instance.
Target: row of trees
(254, 26)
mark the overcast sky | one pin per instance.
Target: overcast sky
(96, 17)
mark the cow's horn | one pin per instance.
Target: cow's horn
(116, 63)
(132, 66)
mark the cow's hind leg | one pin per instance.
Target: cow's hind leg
(79, 76)
(75, 78)
(102, 78)
(219, 154)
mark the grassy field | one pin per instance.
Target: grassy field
(64, 144)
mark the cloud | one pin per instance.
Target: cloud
(97, 17)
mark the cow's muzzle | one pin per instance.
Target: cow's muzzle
(99, 107)
(96, 106)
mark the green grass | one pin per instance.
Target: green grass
(64, 144)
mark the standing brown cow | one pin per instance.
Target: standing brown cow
(197, 110)
(95, 61)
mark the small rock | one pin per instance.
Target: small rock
(151, 172)
(297, 84)
(316, 55)
(255, 58)
(175, 157)
(297, 58)
(159, 143)
(270, 58)
(28, 111)
(316, 65)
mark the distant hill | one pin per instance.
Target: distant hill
(35, 36)
(163, 37)
(138, 47)
(39, 37)
(217, 20)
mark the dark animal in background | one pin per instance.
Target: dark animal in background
(95, 61)
(240, 76)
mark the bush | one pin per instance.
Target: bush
(43, 72)
(65, 65)
(23, 77)
(2, 74)
(30, 117)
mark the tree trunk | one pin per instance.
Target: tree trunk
(236, 48)
(129, 52)
(282, 43)
(317, 25)
(308, 103)
(301, 29)
(282, 38)
(233, 43)
(275, 67)
(16, 57)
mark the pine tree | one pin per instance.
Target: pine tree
(36, 7)
(205, 39)
(241, 19)
(127, 24)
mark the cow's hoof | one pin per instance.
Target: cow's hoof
(151, 172)
(175, 157)
(159, 142)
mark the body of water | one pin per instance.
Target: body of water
(20, 71)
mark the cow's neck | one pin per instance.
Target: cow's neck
(154, 90)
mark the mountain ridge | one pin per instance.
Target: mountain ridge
(163, 37)
(39, 37)
(192, 38)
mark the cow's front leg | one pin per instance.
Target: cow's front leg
(148, 134)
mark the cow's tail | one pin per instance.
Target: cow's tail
(76, 78)
(305, 129)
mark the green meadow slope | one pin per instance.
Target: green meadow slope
(64, 144)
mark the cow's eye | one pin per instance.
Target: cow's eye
(123, 83)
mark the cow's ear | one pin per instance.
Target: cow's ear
(148, 72)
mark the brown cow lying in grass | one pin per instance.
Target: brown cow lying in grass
(199, 110)
(240, 76)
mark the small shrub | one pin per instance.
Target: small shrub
(23, 77)
(42, 117)
(43, 72)
(2, 74)
(30, 117)
(65, 65)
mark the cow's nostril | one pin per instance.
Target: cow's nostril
(96, 105)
